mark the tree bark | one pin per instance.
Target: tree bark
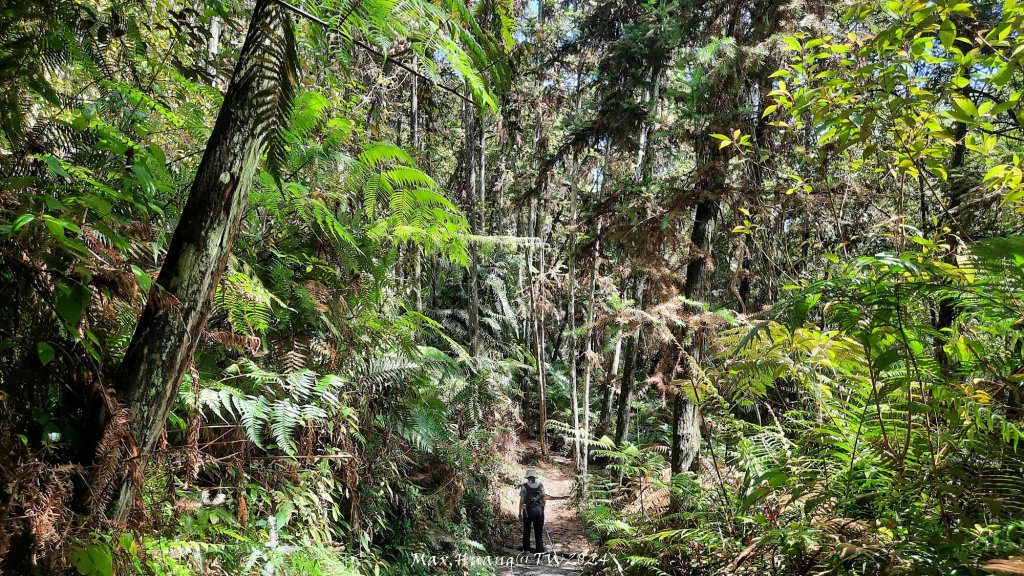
(536, 230)
(947, 313)
(608, 401)
(588, 352)
(573, 340)
(537, 330)
(628, 387)
(541, 337)
(414, 129)
(685, 449)
(470, 125)
(182, 297)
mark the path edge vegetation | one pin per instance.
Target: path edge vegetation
(782, 241)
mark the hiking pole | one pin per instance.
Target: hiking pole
(548, 534)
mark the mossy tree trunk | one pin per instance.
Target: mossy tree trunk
(181, 298)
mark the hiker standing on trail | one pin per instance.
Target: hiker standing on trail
(531, 509)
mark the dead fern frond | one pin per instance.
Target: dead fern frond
(319, 293)
(108, 459)
(294, 359)
(193, 457)
(325, 353)
(241, 343)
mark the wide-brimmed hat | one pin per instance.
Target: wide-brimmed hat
(532, 473)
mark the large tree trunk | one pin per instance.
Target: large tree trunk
(626, 387)
(181, 298)
(685, 449)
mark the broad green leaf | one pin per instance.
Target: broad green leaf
(966, 106)
(143, 278)
(56, 167)
(45, 352)
(70, 302)
(947, 33)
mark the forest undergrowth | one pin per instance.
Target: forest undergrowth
(292, 287)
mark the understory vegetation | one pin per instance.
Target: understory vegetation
(287, 287)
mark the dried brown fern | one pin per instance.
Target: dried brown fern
(294, 359)
(108, 459)
(242, 343)
(193, 457)
(36, 503)
(319, 293)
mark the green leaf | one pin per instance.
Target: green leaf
(70, 302)
(792, 43)
(966, 106)
(725, 140)
(143, 278)
(158, 155)
(102, 560)
(93, 560)
(97, 204)
(46, 353)
(82, 562)
(887, 359)
(57, 226)
(21, 221)
(145, 179)
(947, 34)
(56, 167)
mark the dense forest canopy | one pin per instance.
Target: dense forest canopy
(293, 287)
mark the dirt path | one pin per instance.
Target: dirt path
(567, 568)
(564, 525)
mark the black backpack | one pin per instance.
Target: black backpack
(534, 496)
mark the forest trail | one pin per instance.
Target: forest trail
(564, 526)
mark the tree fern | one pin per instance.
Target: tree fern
(277, 406)
(246, 302)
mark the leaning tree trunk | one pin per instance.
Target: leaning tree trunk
(182, 297)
